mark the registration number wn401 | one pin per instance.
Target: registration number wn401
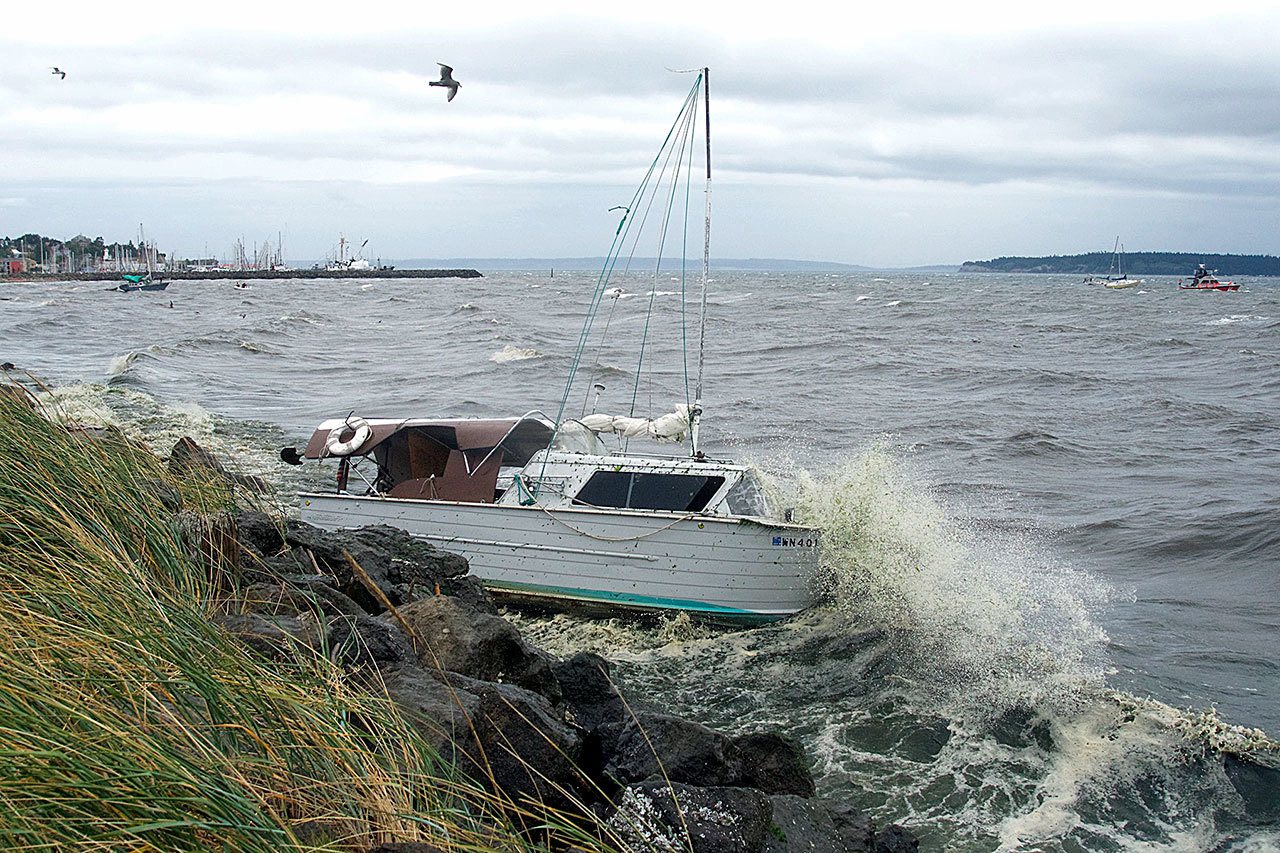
(795, 542)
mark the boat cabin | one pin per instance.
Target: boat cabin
(510, 461)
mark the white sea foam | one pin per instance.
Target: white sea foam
(862, 297)
(1236, 318)
(514, 353)
(121, 364)
(893, 304)
(989, 619)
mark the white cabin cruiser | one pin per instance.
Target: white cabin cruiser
(561, 522)
(541, 511)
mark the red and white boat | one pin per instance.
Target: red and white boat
(1206, 279)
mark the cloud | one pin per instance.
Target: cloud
(1074, 101)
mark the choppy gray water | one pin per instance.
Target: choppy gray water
(1054, 509)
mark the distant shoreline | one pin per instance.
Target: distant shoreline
(1133, 263)
(215, 275)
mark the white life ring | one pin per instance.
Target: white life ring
(361, 430)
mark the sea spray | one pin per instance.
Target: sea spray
(982, 614)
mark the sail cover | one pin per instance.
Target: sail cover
(672, 426)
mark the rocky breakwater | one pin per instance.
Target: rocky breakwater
(533, 729)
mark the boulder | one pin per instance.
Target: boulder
(401, 567)
(807, 825)
(659, 746)
(439, 711)
(521, 746)
(259, 532)
(367, 641)
(189, 459)
(588, 692)
(292, 596)
(455, 638)
(274, 637)
(674, 818)
(773, 763)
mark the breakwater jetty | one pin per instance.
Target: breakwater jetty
(216, 275)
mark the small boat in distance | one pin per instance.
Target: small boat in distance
(1206, 279)
(545, 512)
(1116, 278)
(149, 280)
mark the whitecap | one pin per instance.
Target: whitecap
(514, 353)
(1236, 318)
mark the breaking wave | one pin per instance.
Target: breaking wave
(514, 353)
(991, 620)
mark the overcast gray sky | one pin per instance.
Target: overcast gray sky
(913, 134)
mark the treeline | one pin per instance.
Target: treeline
(77, 254)
(1137, 263)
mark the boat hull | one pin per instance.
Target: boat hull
(738, 570)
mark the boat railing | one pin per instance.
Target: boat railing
(529, 415)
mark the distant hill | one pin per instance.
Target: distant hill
(1137, 263)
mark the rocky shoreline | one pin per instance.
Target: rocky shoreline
(399, 611)
(402, 615)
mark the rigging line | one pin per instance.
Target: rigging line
(684, 256)
(678, 151)
(683, 139)
(652, 187)
(599, 349)
(601, 281)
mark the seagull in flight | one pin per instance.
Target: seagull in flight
(446, 80)
(62, 75)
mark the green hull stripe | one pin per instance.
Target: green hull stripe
(621, 599)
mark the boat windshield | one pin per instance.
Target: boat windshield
(639, 490)
(748, 497)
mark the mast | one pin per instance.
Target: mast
(695, 416)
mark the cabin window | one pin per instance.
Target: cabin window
(635, 490)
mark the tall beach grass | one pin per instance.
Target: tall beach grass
(130, 720)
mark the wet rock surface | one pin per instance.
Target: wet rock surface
(530, 727)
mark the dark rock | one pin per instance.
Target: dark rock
(774, 763)
(401, 567)
(587, 690)
(452, 637)
(292, 597)
(259, 531)
(658, 746)
(470, 591)
(275, 637)
(1257, 784)
(16, 392)
(170, 498)
(366, 641)
(806, 825)
(521, 746)
(189, 459)
(895, 839)
(439, 711)
(672, 817)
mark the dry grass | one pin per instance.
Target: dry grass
(130, 720)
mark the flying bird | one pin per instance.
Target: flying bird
(446, 80)
(62, 75)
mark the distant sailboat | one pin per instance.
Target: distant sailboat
(149, 280)
(1116, 278)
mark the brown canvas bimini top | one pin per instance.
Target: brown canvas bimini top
(520, 437)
